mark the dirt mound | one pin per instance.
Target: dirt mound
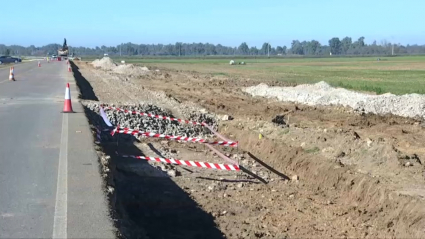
(410, 105)
(131, 70)
(105, 63)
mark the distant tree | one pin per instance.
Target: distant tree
(178, 46)
(7, 52)
(297, 48)
(346, 44)
(221, 50)
(210, 49)
(324, 50)
(265, 48)
(169, 50)
(253, 51)
(279, 50)
(130, 50)
(243, 49)
(304, 47)
(316, 46)
(361, 42)
(358, 48)
(335, 45)
(384, 43)
(311, 47)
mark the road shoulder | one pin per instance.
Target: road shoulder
(88, 210)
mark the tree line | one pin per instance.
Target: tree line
(335, 46)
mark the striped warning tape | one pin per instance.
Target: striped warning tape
(156, 116)
(172, 137)
(126, 131)
(229, 167)
(167, 118)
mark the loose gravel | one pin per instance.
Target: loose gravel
(153, 125)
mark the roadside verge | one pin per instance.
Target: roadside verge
(88, 211)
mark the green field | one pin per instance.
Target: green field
(398, 75)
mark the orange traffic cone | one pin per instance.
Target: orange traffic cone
(11, 74)
(39, 64)
(67, 107)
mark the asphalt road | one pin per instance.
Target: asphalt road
(49, 180)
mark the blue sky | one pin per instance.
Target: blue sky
(106, 22)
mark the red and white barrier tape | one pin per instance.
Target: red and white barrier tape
(126, 131)
(216, 133)
(172, 137)
(156, 116)
(221, 155)
(187, 163)
(167, 118)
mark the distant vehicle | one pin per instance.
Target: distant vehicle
(9, 59)
(63, 52)
(54, 56)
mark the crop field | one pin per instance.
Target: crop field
(397, 75)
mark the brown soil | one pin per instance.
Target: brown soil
(358, 175)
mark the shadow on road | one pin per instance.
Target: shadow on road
(86, 90)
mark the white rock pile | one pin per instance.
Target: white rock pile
(132, 70)
(108, 64)
(105, 63)
(321, 93)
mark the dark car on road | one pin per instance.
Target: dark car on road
(9, 59)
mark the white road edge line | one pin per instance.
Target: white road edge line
(61, 207)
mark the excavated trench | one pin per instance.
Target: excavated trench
(143, 198)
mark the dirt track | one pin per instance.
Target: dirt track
(354, 173)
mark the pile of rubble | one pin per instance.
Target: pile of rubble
(131, 70)
(153, 125)
(108, 64)
(321, 93)
(105, 63)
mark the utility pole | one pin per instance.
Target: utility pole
(392, 45)
(268, 49)
(120, 48)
